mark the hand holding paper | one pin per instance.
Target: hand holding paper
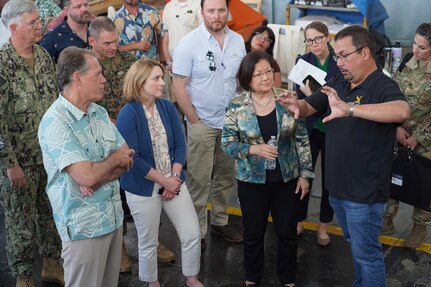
(303, 69)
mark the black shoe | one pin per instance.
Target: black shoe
(227, 232)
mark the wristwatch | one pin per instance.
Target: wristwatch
(351, 109)
(175, 174)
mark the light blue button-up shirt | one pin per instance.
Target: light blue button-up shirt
(67, 135)
(209, 91)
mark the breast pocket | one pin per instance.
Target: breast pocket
(24, 104)
(188, 20)
(109, 142)
(201, 67)
(233, 62)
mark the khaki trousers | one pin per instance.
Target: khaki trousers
(146, 214)
(210, 174)
(93, 262)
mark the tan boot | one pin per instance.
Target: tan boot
(164, 255)
(25, 282)
(125, 266)
(388, 227)
(52, 271)
(417, 236)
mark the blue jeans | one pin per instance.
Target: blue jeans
(361, 224)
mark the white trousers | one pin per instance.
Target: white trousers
(93, 262)
(181, 212)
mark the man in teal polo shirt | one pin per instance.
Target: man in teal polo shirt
(83, 155)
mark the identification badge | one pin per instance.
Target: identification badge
(397, 179)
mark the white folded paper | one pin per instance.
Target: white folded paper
(303, 69)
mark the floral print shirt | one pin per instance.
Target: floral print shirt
(146, 25)
(159, 141)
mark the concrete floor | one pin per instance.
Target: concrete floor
(221, 264)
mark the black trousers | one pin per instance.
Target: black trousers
(317, 144)
(257, 201)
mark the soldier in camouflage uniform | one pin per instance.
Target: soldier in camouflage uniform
(415, 81)
(115, 63)
(28, 87)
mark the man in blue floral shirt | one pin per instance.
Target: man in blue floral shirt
(140, 29)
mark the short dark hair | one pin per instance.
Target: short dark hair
(361, 37)
(261, 29)
(424, 30)
(203, 1)
(71, 60)
(99, 24)
(247, 66)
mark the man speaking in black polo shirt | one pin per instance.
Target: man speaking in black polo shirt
(363, 108)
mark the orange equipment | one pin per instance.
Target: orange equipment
(244, 18)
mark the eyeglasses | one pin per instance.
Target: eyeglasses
(210, 57)
(317, 40)
(35, 23)
(343, 58)
(261, 37)
(267, 73)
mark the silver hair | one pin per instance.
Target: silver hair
(13, 10)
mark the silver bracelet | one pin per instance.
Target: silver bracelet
(175, 174)
(351, 109)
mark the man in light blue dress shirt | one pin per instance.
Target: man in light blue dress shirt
(83, 155)
(205, 65)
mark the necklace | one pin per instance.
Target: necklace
(263, 105)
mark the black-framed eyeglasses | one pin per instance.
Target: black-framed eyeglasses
(343, 58)
(210, 57)
(317, 40)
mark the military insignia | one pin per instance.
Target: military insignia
(358, 100)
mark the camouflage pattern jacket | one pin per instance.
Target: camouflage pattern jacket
(113, 95)
(24, 97)
(415, 83)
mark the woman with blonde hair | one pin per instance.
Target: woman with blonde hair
(150, 125)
